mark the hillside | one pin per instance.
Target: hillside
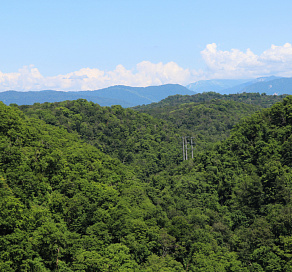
(67, 206)
(64, 204)
(276, 86)
(208, 117)
(234, 203)
(147, 144)
(256, 99)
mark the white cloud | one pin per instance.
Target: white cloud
(157, 74)
(237, 64)
(276, 60)
(145, 74)
(279, 54)
(25, 79)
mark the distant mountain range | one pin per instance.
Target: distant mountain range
(276, 86)
(133, 96)
(252, 86)
(115, 95)
(214, 85)
(268, 85)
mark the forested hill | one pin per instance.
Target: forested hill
(65, 205)
(207, 122)
(257, 99)
(137, 139)
(208, 117)
(147, 144)
(234, 203)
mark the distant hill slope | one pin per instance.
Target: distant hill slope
(276, 86)
(231, 86)
(215, 85)
(142, 95)
(254, 84)
(115, 95)
(29, 98)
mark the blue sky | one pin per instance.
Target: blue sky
(79, 45)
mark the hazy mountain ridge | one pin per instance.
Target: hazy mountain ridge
(231, 86)
(127, 96)
(276, 86)
(253, 84)
(29, 98)
(215, 85)
(116, 95)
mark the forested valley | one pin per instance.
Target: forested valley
(91, 188)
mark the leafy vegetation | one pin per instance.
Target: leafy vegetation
(237, 196)
(260, 100)
(71, 201)
(145, 143)
(208, 117)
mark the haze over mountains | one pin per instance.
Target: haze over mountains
(230, 86)
(132, 96)
(214, 85)
(116, 95)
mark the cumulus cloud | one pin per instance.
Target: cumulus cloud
(144, 74)
(25, 79)
(276, 60)
(278, 54)
(157, 74)
(235, 63)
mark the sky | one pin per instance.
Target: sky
(91, 44)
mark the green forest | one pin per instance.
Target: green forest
(91, 188)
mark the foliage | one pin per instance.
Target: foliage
(261, 100)
(65, 205)
(208, 117)
(145, 143)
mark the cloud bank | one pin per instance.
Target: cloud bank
(144, 74)
(276, 60)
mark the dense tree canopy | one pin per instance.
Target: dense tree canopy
(260, 100)
(147, 144)
(90, 188)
